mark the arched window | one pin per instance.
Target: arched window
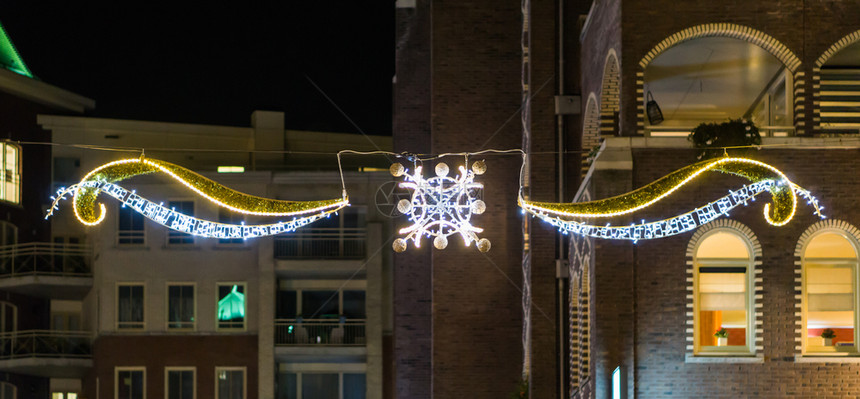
(723, 320)
(829, 287)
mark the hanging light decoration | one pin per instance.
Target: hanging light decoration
(569, 217)
(441, 206)
(104, 178)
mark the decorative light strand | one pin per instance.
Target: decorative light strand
(784, 199)
(184, 223)
(784, 194)
(102, 179)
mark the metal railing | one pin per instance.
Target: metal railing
(320, 332)
(323, 243)
(45, 343)
(39, 258)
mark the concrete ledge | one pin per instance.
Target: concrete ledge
(724, 359)
(826, 359)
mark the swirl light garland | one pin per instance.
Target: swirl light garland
(764, 177)
(103, 179)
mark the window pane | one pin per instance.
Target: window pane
(130, 301)
(830, 305)
(186, 208)
(829, 245)
(286, 304)
(130, 226)
(723, 245)
(231, 306)
(287, 387)
(320, 386)
(319, 304)
(130, 384)
(722, 305)
(180, 384)
(354, 386)
(180, 306)
(230, 384)
(353, 305)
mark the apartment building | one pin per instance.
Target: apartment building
(300, 315)
(42, 347)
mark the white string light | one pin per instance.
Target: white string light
(441, 206)
(185, 223)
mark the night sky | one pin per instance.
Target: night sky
(215, 65)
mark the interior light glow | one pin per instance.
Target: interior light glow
(231, 169)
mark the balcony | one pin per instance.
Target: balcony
(46, 353)
(322, 243)
(320, 340)
(322, 332)
(58, 271)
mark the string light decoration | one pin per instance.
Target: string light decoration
(102, 180)
(763, 177)
(441, 206)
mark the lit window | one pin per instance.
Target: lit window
(180, 306)
(130, 382)
(64, 395)
(130, 230)
(179, 382)
(230, 382)
(231, 306)
(722, 294)
(129, 306)
(175, 237)
(829, 294)
(10, 174)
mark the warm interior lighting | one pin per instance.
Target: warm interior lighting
(231, 169)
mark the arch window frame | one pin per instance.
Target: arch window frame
(829, 262)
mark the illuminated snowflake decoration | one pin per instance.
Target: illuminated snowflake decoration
(441, 206)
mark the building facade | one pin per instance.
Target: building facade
(43, 350)
(576, 84)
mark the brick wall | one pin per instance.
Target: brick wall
(653, 338)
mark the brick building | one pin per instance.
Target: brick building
(463, 73)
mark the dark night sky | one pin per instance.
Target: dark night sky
(215, 65)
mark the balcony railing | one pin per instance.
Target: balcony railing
(45, 344)
(333, 243)
(38, 258)
(320, 332)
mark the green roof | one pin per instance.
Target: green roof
(9, 57)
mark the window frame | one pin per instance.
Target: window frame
(14, 389)
(244, 371)
(17, 178)
(117, 370)
(753, 294)
(167, 321)
(244, 327)
(805, 264)
(167, 371)
(117, 301)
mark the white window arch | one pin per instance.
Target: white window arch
(829, 281)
